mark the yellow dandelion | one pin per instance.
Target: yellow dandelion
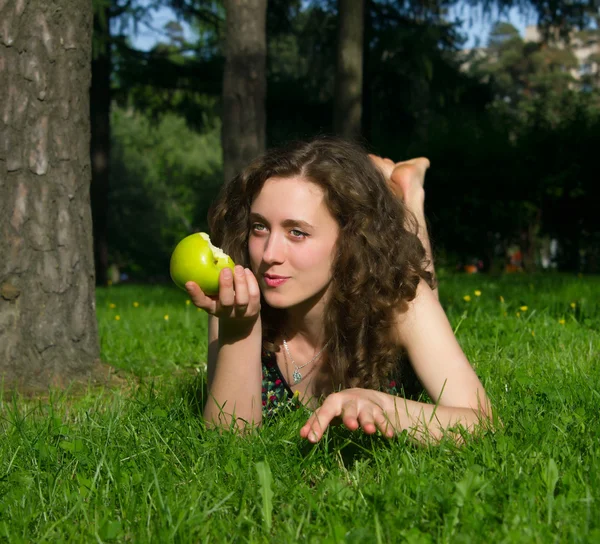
(562, 321)
(296, 393)
(477, 293)
(112, 306)
(505, 314)
(188, 302)
(167, 317)
(501, 299)
(573, 305)
(136, 304)
(467, 298)
(523, 308)
(532, 333)
(518, 314)
(117, 318)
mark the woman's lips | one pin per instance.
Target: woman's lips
(275, 281)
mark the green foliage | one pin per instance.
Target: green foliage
(512, 140)
(265, 480)
(163, 178)
(169, 80)
(526, 163)
(138, 465)
(521, 72)
(411, 75)
(300, 75)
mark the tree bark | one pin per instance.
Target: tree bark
(349, 69)
(244, 84)
(366, 114)
(100, 143)
(48, 330)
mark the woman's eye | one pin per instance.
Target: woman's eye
(298, 233)
(258, 227)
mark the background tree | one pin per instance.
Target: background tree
(244, 84)
(487, 131)
(100, 98)
(539, 101)
(47, 306)
(521, 71)
(347, 102)
(109, 15)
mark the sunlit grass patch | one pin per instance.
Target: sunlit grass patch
(138, 465)
(158, 332)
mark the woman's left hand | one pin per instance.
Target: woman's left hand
(356, 408)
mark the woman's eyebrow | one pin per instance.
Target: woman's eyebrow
(285, 223)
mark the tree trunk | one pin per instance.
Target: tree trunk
(48, 330)
(366, 114)
(244, 84)
(349, 69)
(530, 239)
(100, 143)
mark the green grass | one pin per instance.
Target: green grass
(137, 465)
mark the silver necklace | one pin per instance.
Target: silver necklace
(297, 374)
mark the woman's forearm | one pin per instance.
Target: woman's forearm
(426, 422)
(235, 379)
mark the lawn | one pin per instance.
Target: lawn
(135, 464)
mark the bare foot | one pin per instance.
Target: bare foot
(406, 179)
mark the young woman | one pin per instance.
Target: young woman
(331, 289)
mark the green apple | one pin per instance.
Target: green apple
(196, 259)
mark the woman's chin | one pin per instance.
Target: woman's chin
(275, 300)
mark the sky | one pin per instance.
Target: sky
(475, 25)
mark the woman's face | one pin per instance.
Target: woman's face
(291, 241)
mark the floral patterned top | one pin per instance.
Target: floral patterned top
(277, 394)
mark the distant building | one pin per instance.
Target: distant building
(585, 47)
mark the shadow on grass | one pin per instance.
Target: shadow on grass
(194, 393)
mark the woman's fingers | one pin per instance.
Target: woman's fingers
(238, 297)
(247, 293)
(253, 292)
(372, 418)
(226, 292)
(199, 298)
(367, 422)
(383, 424)
(354, 412)
(350, 415)
(317, 423)
(241, 297)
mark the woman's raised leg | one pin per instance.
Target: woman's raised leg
(407, 180)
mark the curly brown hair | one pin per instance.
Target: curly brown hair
(378, 264)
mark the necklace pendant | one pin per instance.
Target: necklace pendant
(297, 376)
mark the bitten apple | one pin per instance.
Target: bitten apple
(196, 259)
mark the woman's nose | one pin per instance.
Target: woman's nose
(274, 249)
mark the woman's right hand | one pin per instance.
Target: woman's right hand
(238, 298)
